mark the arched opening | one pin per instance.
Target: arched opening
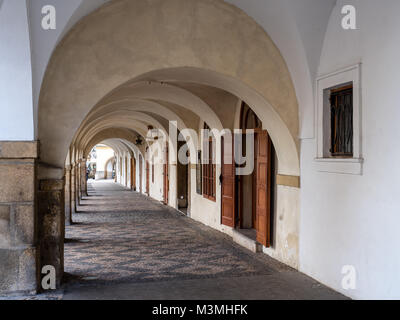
(183, 175)
(128, 93)
(249, 218)
(109, 169)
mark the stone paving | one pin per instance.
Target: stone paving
(122, 236)
(125, 245)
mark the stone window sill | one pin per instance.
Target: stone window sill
(339, 165)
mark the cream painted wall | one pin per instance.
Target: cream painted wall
(354, 219)
(286, 21)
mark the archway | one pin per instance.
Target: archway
(109, 168)
(106, 85)
(255, 222)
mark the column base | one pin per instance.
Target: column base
(18, 270)
(18, 255)
(52, 225)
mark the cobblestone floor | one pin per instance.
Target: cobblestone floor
(122, 236)
(124, 245)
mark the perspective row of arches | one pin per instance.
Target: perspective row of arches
(135, 65)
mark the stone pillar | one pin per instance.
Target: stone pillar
(83, 179)
(18, 252)
(78, 183)
(73, 189)
(51, 213)
(68, 196)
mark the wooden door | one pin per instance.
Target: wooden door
(263, 187)
(228, 172)
(166, 175)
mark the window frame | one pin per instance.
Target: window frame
(337, 93)
(324, 160)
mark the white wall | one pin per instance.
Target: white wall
(156, 187)
(16, 109)
(349, 219)
(103, 155)
(68, 13)
(297, 27)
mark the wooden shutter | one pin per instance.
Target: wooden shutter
(199, 178)
(263, 182)
(228, 186)
(212, 176)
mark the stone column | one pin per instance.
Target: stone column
(51, 212)
(73, 189)
(18, 252)
(78, 183)
(83, 179)
(68, 197)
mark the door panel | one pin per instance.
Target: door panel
(228, 186)
(263, 185)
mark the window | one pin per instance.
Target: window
(209, 167)
(341, 101)
(199, 177)
(339, 122)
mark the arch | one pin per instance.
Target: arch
(200, 31)
(112, 161)
(110, 133)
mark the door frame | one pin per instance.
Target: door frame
(238, 202)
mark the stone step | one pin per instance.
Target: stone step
(246, 242)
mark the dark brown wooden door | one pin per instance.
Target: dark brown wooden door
(147, 178)
(263, 182)
(228, 185)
